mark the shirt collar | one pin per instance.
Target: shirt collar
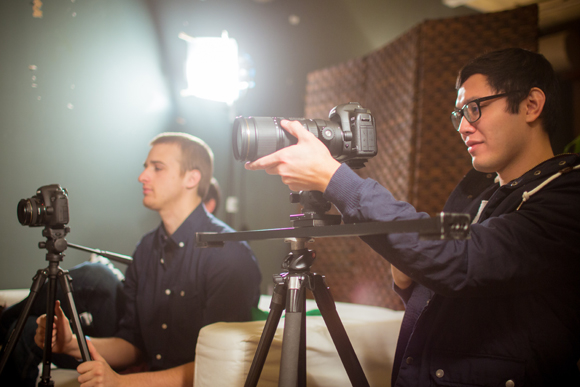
(186, 231)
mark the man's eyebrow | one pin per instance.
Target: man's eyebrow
(466, 102)
(154, 162)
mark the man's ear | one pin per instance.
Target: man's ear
(192, 178)
(534, 104)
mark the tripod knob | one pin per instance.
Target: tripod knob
(294, 197)
(41, 245)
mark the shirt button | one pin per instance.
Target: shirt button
(158, 357)
(167, 291)
(510, 383)
(163, 326)
(162, 261)
(439, 373)
(409, 360)
(182, 293)
(181, 244)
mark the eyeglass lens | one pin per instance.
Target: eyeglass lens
(471, 112)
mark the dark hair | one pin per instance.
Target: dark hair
(213, 192)
(517, 71)
(195, 154)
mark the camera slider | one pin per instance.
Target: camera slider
(446, 225)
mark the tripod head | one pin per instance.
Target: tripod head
(300, 258)
(313, 211)
(55, 242)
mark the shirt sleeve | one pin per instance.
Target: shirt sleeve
(509, 253)
(129, 328)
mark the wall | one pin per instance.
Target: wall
(81, 94)
(107, 79)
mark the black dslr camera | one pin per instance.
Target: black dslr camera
(49, 207)
(350, 135)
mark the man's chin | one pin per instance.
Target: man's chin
(481, 166)
(148, 204)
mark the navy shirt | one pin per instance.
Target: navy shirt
(174, 288)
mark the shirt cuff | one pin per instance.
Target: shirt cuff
(343, 188)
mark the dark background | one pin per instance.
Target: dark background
(84, 89)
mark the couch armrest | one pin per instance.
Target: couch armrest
(10, 297)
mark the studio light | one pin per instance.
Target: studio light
(213, 69)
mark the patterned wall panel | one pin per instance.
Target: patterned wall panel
(409, 86)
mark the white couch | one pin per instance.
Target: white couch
(225, 350)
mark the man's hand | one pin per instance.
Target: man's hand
(97, 373)
(61, 331)
(305, 166)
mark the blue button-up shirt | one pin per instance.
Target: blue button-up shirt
(174, 288)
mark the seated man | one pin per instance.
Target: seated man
(172, 288)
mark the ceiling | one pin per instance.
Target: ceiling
(552, 13)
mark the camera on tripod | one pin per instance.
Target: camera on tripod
(350, 135)
(49, 207)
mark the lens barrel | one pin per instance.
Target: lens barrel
(27, 212)
(255, 137)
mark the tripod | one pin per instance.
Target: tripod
(289, 294)
(55, 245)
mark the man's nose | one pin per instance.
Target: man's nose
(143, 176)
(465, 127)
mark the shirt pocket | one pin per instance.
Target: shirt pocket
(453, 369)
(186, 311)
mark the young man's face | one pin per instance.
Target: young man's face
(163, 183)
(498, 140)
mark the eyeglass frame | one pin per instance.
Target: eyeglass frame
(477, 101)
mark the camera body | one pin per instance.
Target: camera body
(49, 207)
(349, 134)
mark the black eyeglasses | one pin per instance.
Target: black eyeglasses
(472, 110)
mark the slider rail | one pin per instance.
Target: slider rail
(443, 226)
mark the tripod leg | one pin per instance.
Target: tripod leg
(276, 307)
(65, 282)
(47, 352)
(293, 361)
(38, 281)
(345, 350)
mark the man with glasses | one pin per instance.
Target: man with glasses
(503, 307)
